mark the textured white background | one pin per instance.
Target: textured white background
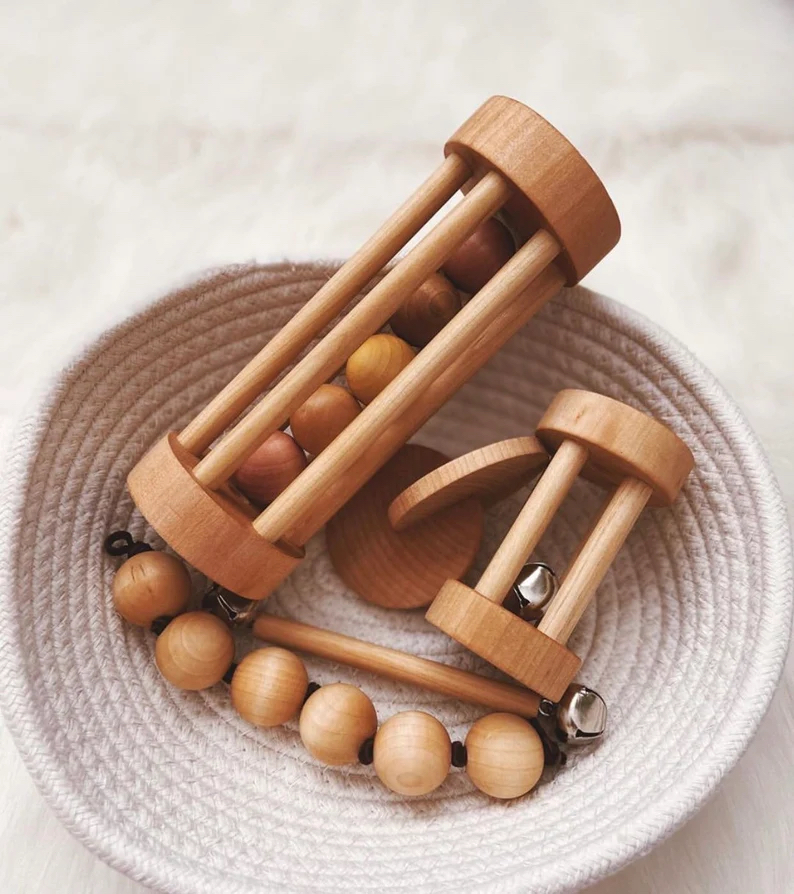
(140, 142)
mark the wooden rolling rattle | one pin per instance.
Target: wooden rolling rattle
(612, 444)
(509, 162)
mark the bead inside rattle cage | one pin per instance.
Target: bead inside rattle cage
(507, 160)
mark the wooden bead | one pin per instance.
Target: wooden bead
(427, 311)
(412, 753)
(149, 585)
(380, 359)
(488, 248)
(326, 414)
(268, 686)
(270, 469)
(194, 651)
(504, 756)
(335, 722)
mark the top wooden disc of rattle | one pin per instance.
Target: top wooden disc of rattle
(489, 473)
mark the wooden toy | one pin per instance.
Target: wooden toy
(401, 569)
(506, 159)
(504, 757)
(377, 362)
(326, 414)
(268, 686)
(412, 753)
(426, 311)
(270, 469)
(195, 650)
(640, 461)
(487, 250)
(335, 722)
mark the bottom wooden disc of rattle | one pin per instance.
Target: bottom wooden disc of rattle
(402, 569)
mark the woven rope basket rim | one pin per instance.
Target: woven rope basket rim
(660, 819)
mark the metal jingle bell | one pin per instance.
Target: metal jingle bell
(532, 591)
(229, 607)
(581, 716)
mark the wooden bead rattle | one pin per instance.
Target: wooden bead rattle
(612, 444)
(411, 752)
(507, 160)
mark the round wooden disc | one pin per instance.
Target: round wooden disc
(403, 569)
(489, 474)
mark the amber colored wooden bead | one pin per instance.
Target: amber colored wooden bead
(504, 755)
(379, 360)
(150, 585)
(268, 686)
(326, 414)
(488, 248)
(194, 651)
(427, 311)
(336, 721)
(273, 466)
(412, 753)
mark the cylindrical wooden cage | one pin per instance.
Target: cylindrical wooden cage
(507, 160)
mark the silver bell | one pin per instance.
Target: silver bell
(532, 591)
(581, 715)
(228, 606)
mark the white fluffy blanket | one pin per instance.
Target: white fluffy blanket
(142, 141)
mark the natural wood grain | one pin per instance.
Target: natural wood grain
(489, 473)
(401, 569)
(194, 651)
(329, 301)
(504, 756)
(594, 558)
(533, 520)
(460, 335)
(492, 338)
(412, 753)
(207, 529)
(622, 442)
(335, 722)
(150, 585)
(270, 468)
(505, 640)
(555, 188)
(369, 315)
(372, 366)
(322, 417)
(480, 257)
(396, 665)
(425, 312)
(268, 686)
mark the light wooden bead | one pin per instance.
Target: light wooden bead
(504, 756)
(427, 311)
(412, 753)
(380, 359)
(335, 722)
(194, 651)
(150, 585)
(485, 252)
(273, 466)
(268, 686)
(326, 414)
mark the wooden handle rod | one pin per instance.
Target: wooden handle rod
(535, 516)
(372, 312)
(596, 554)
(457, 337)
(400, 666)
(329, 301)
(393, 436)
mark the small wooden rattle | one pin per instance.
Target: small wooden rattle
(541, 219)
(612, 444)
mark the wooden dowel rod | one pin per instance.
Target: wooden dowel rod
(596, 554)
(329, 301)
(457, 337)
(395, 665)
(535, 516)
(372, 312)
(393, 436)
